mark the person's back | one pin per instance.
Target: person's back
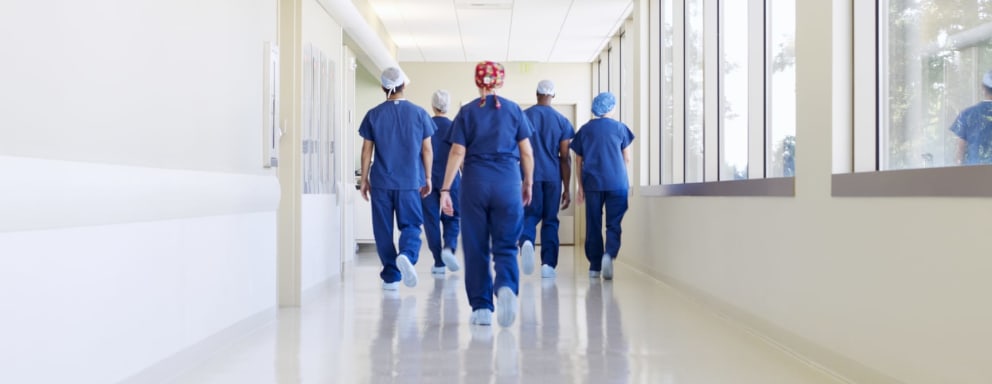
(397, 163)
(491, 135)
(441, 148)
(974, 127)
(600, 142)
(550, 129)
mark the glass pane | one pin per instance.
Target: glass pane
(934, 111)
(781, 91)
(693, 91)
(733, 89)
(667, 89)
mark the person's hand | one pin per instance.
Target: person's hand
(446, 206)
(365, 189)
(526, 189)
(425, 190)
(566, 200)
(580, 196)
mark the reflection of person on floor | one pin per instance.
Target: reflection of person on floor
(441, 328)
(490, 134)
(398, 134)
(602, 152)
(607, 347)
(974, 129)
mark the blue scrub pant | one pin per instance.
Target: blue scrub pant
(615, 203)
(543, 208)
(433, 218)
(405, 205)
(492, 213)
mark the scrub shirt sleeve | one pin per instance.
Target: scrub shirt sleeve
(365, 129)
(427, 124)
(456, 134)
(628, 136)
(568, 132)
(524, 129)
(576, 143)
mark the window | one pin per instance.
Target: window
(934, 54)
(726, 89)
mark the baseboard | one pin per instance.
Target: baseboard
(831, 363)
(196, 354)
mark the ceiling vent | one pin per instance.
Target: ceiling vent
(484, 4)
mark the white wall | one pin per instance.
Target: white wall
(572, 83)
(883, 290)
(137, 219)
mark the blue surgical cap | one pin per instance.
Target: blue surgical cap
(603, 104)
(987, 79)
(392, 78)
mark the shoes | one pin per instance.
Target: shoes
(527, 257)
(506, 306)
(607, 266)
(594, 274)
(406, 269)
(438, 271)
(548, 272)
(448, 256)
(482, 317)
(390, 286)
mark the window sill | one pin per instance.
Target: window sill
(774, 187)
(968, 181)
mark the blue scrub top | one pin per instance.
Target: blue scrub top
(398, 129)
(490, 136)
(601, 142)
(550, 129)
(441, 150)
(974, 126)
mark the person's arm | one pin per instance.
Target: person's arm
(962, 149)
(565, 160)
(455, 158)
(580, 194)
(367, 147)
(527, 163)
(427, 157)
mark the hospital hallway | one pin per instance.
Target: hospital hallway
(572, 329)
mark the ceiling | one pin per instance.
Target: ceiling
(547, 31)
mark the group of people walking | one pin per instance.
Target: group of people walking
(491, 174)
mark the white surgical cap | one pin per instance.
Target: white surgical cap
(546, 87)
(392, 78)
(440, 100)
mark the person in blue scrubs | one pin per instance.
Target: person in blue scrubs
(398, 134)
(490, 134)
(602, 153)
(552, 175)
(974, 129)
(444, 254)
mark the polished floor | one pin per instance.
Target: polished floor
(569, 330)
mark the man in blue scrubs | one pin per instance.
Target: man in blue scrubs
(490, 134)
(399, 134)
(602, 152)
(974, 129)
(433, 218)
(552, 175)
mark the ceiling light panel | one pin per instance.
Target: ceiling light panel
(485, 33)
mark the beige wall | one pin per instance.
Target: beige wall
(137, 83)
(899, 285)
(572, 83)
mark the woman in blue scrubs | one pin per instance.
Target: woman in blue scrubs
(490, 134)
(399, 134)
(433, 218)
(602, 152)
